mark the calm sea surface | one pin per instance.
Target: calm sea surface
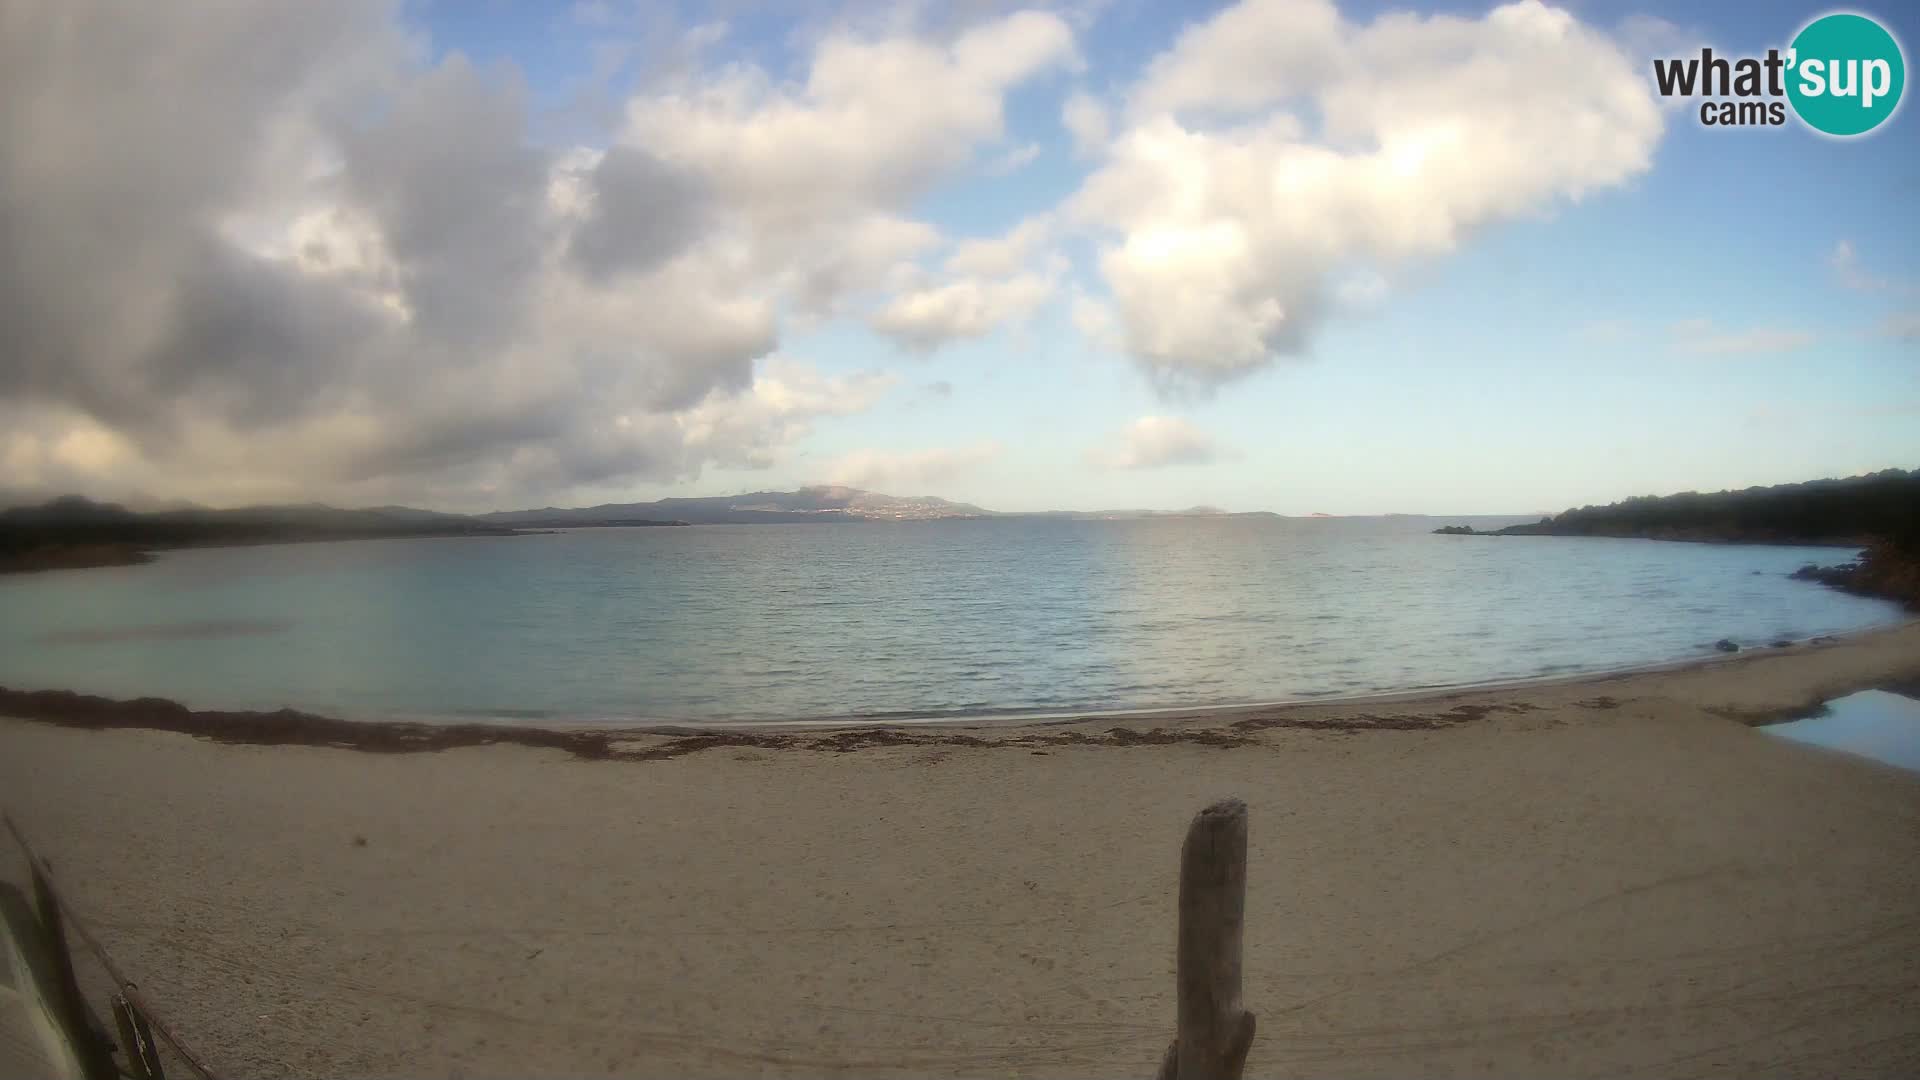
(763, 622)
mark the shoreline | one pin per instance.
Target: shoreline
(1525, 529)
(1056, 716)
(1876, 650)
(98, 557)
(1520, 881)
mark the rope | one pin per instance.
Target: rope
(128, 989)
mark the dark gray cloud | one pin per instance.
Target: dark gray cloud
(249, 339)
(459, 196)
(644, 213)
(124, 134)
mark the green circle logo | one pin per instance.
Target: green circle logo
(1845, 74)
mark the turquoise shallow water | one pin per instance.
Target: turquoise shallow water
(717, 623)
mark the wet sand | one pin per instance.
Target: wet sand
(1594, 877)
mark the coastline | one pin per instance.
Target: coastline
(1517, 881)
(1218, 725)
(100, 556)
(1512, 531)
(74, 557)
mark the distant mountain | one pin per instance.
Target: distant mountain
(1134, 515)
(808, 505)
(72, 531)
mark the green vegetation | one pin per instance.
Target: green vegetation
(1879, 512)
(1855, 511)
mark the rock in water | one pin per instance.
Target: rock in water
(1726, 645)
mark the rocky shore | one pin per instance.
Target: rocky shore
(1888, 570)
(1878, 511)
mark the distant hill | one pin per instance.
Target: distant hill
(818, 504)
(809, 504)
(1877, 511)
(1851, 511)
(75, 531)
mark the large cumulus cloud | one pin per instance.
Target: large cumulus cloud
(1277, 149)
(257, 251)
(266, 250)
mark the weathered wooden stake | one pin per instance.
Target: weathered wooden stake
(1214, 1031)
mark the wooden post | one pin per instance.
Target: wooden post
(1214, 1031)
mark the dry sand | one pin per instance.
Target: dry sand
(1600, 877)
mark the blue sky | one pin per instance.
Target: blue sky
(1653, 306)
(1532, 368)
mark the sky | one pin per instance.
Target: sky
(1284, 255)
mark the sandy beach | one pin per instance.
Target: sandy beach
(1608, 876)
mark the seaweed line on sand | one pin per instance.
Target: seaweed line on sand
(284, 727)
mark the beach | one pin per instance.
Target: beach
(1601, 876)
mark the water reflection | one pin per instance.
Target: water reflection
(183, 631)
(1872, 723)
(913, 620)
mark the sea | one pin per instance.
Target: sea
(893, 621)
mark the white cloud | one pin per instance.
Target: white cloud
(817, 177)
(1014, 160)
(1096, 322)
(1361, 290)
(1248, 55)
(1153, 442)
(1086, 120)
(1001, 255)
(969, 307)
(747, 430)
(875, 121)
(1700, 337)
(910, 472)
(300, 262)
(864, 256)
(1230, 216)
(984, 284)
